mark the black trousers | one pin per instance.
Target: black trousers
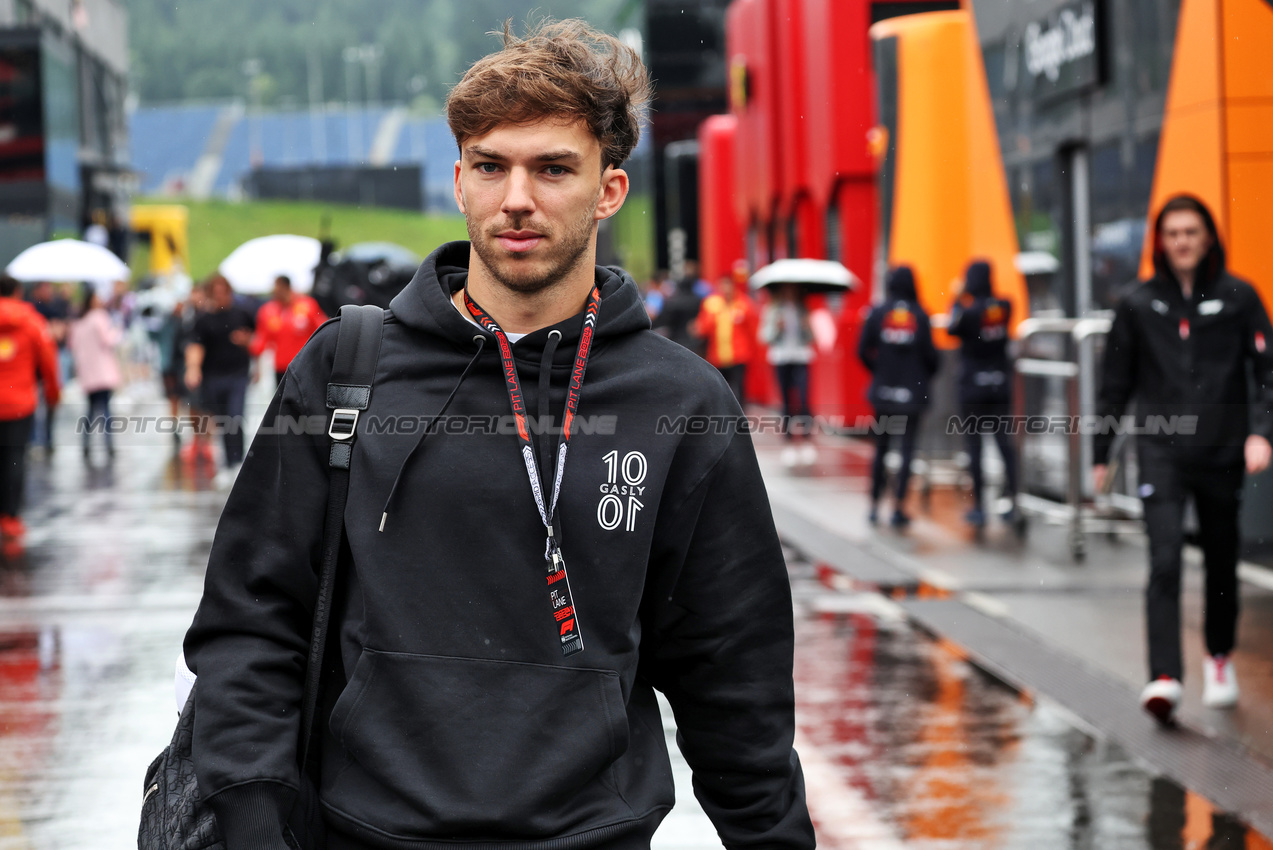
(1217, 497)
(99, 407)
(14, 434)
(879, 475)
(793, 383)
(1003, 440)
(223, 396)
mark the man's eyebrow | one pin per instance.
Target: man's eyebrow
(564, 155)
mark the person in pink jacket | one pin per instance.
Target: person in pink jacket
(93, 340)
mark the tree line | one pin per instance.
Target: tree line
(282, 52)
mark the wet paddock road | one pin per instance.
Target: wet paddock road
(904, 743)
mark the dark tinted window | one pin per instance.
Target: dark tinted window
(884, 11)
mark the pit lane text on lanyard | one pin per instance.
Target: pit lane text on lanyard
(565, 618)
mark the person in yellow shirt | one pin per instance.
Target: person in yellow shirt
(728, 321)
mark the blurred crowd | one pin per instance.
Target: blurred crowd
(722, 323)
(203, 347)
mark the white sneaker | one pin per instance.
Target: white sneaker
(789, 457)
(1160, 698)
(1220, 682)
(808, 454)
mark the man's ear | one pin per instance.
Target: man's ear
(459, 193)
(614, 191)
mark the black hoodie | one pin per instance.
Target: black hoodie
(1180, 358)
(897, 347)
(456, 717)
(980, 321)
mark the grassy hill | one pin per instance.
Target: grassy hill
(218, 227)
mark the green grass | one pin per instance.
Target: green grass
(218, 227)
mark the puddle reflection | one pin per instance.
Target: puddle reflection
(951, 758)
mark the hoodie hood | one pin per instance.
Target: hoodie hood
(977, 279)
(425, 305)
(900, 285)
(1212, 264)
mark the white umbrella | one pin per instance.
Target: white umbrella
(252, 267)
(809, 275)
(68, 261)
(1036, 262)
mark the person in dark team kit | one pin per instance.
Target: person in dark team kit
(897, 347)
(1187, 343)
(980, 320)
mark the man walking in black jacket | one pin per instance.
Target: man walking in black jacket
(1184, 345)
(481, 697)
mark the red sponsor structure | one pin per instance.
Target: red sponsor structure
(804, 156)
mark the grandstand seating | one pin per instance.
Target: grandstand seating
(168, 140)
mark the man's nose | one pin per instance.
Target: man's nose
(519, 196)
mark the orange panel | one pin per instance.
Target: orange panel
(950, 195)
(1252, 223)
(1248, 31)
(1190, 150)
(1249, 125)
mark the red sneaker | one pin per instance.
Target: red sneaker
(1160, 698)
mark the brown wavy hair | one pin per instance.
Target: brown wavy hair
(560, 68)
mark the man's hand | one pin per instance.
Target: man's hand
(194, 377)
(1099, 471)
(241, 337)
(1258, 451)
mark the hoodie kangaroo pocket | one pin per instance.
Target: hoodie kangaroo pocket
(465, 746)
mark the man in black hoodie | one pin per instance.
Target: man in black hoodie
(1184, 345)
(897, 348)
(469, 706)
(980, 321)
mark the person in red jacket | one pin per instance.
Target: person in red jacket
(728, 321)
(284, 324)
(27, 352)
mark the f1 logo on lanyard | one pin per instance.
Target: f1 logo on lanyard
(565, 619)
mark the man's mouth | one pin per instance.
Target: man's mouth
(519, 241)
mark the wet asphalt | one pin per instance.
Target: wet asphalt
(905, 743)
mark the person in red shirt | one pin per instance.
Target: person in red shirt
(728, 321)
(27, 354)
(284, 324)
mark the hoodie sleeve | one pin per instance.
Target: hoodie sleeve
(250, 636)
(1118, 376)
(719, 644)
(1259, 350)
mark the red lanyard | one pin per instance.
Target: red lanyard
(563, 608)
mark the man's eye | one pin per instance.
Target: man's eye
(556, 170)
(487, 167)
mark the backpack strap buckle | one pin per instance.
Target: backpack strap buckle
(343, 424)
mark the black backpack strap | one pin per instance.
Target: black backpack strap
(354, 369)
(348, 394)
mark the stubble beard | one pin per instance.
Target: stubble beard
(517, 272)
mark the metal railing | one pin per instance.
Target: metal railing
(1077, 511)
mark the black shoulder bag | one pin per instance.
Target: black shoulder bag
(173, 814)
